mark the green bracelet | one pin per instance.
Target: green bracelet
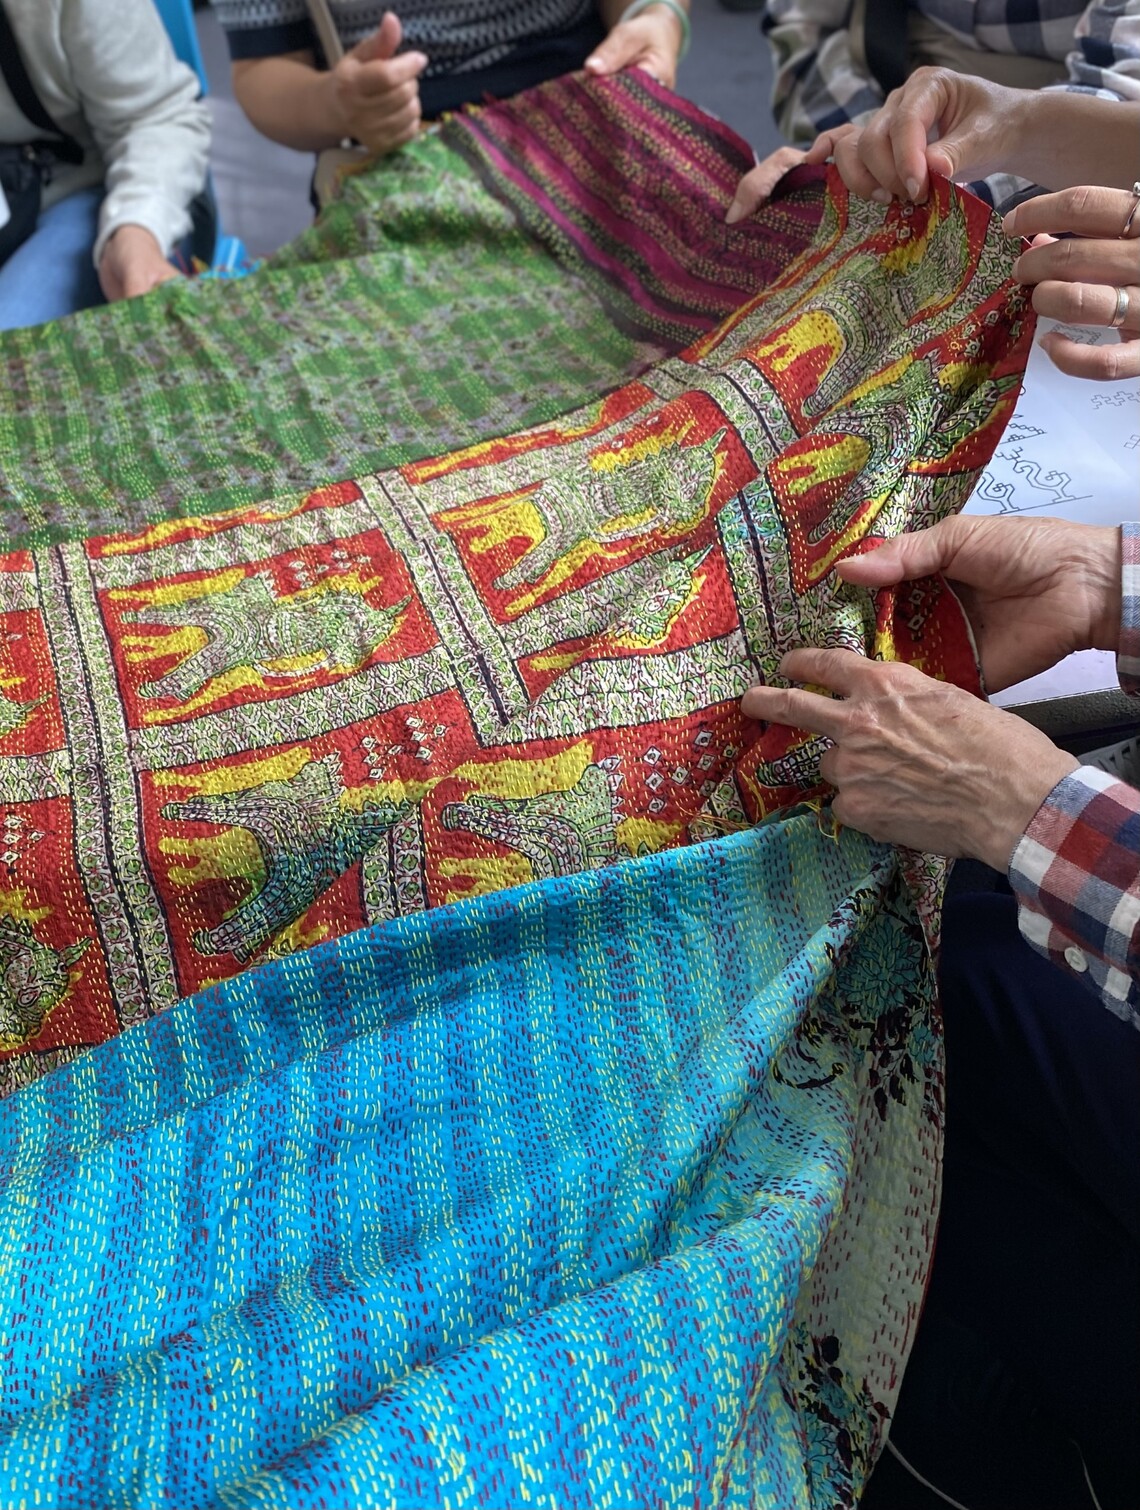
(678, 10)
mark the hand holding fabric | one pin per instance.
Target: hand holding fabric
(132, 263)
(916, 761)
(1034, 590)
(1078, 279)
(651, 40)
(968, 128)
(937, 122)
(376, 93)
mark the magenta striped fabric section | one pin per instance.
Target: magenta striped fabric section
(645, 226)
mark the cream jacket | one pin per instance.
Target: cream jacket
(106, 73)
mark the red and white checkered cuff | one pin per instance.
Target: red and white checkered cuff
(1076, 872)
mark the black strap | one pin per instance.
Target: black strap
(65, 147)
(884, 41)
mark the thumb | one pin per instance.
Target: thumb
(950, 154)
(383, 42)
(751, 192)
(825, 143)
(899, 560)
(622, 47)
(757, 184)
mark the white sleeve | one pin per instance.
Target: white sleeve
(144, 110)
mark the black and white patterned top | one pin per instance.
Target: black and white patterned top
(458, 36)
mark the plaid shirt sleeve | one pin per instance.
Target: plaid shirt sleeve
(1076, 869)
(818, 84)
(1104, 62)
(1107, 54)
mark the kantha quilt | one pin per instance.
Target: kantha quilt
(498, 273)
(574, 1195)
(457, 1098)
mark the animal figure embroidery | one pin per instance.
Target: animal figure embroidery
(560, 833)
(650, 615)
(798, 767)
(891, 421)
(306, 838)
(668, 490)
(859, 300)
(14, 715)
(34, 979)
(250, 626)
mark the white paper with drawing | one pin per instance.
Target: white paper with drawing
(1072, 448)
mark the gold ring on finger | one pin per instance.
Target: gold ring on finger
(1120, 313)
(1132, 212)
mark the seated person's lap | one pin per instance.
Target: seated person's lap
(1035, 1291)
(53, 274)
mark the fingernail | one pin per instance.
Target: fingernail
(912, 188)
(882, 196)
(734, 214)
(593, 64)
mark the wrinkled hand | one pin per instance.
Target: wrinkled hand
(937, 122)
(916, 761)
(757, 184)
(651, 41)
(376, 94)
(1076, 279)
(132, 263)
(1034, 590)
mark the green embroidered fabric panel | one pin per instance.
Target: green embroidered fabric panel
(416, 316)
(424, 311)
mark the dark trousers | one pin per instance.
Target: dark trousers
(1030, 1338)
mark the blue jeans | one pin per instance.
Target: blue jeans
(52, 274)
